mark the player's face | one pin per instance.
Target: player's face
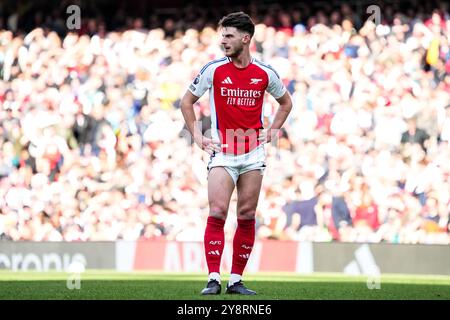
(233, 41)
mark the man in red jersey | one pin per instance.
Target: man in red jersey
(236, 85)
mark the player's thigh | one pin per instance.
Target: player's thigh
(220, 189)
(248, 189)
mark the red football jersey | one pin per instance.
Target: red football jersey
(236, 97)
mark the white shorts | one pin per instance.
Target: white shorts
(236, 165)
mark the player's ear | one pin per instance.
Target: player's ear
(246, 38)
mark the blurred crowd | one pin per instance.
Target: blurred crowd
(93, 144)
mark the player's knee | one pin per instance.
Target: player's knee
(246, 213)
(219, 212)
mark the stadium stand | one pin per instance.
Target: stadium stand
(92, 144)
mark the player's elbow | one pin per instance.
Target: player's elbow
(285, 102)
(187, 101)
(184, 103)
(186, 109)
(286, 106)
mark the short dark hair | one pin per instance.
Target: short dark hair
(240, 21)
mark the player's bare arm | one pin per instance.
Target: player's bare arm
(281, 115)
(187, 109)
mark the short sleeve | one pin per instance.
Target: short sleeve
(202, 82)
(275, 87)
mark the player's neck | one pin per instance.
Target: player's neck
(242, 60)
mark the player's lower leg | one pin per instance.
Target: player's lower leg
(243, 241)
(214, 241)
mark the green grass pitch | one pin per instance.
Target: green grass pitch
(96, 284)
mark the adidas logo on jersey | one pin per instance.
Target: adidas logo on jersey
(245, 256)
(227, 81)
(214, 252)
(246, 247)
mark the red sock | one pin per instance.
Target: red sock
(214, 242)
(243, 241)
